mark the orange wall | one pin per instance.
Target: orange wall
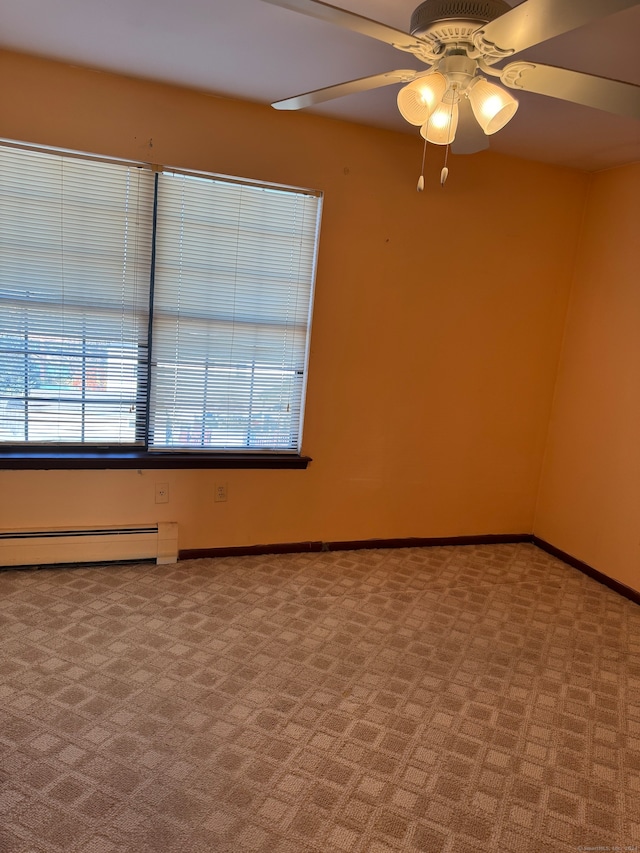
(589, 503)
(437, 326)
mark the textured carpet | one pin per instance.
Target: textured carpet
(446, 700)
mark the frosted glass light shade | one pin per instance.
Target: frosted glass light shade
(491, 105)
(418, 99)
(440, 128)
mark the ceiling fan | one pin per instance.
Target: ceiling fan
(460, 41)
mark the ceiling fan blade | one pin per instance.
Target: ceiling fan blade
(612, 96)
(470, 137)
(351, 21)
(361, 85)
(535, 21)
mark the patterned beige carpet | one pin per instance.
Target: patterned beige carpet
(446, 700)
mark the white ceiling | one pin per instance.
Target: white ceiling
(251, 50)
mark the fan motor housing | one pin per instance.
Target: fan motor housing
(447, 21)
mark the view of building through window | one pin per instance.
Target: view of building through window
(57, 389)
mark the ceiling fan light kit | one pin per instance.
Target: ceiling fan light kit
(418, 99)
(425, 99)
(460, 41)
(440, 128)
(492, 106)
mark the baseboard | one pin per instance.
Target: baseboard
(250, 550)
(585, 568)
(354, 545)
(427, 542)
(414, 542)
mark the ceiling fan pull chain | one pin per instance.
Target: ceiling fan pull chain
(444, 174)
(420, 186)
(445, 171)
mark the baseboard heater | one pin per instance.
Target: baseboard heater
(32, 547)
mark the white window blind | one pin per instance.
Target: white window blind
(234, 276)
(162, 311)
(75, 249)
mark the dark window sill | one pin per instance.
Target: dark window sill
(96, 460)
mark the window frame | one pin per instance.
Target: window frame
(99, 456)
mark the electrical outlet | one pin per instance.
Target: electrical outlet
(221, 492)
(162, 493)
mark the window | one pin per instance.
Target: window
(151, 311)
